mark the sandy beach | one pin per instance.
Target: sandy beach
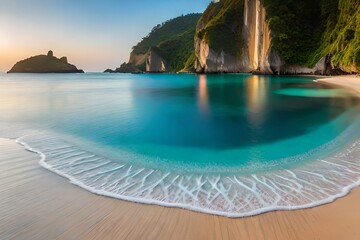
(38, 204)
(350, 81)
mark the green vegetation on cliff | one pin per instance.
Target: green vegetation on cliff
(44, 64)
(296, 28)
(170, 29)
(177, 50)
(173, 40)
(302, 31)
(341, 37)
(221, 26)
(307, 30)
(190, 63)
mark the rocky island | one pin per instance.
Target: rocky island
(45, 64)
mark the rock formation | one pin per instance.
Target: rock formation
(155, 63)
(253, 50)
(255, 36)
(109, 71)
(50, 54)
(174, 41)
(44, 64)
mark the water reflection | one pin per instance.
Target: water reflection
(256, 99)
(214, 112)
(203, 95)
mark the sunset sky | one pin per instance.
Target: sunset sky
(93, 34)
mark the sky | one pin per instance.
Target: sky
(93, 34)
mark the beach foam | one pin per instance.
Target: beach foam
(230, 195)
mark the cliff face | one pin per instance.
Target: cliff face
(44, 64)
(155, 63)
(255, 48)
(286, 41)
(212, 61)
(138, 58)
(218, 39)
(341, 38)
(257, 36)
(174, 44)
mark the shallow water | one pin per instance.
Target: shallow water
(224, 144)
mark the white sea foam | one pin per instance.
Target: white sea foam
(231, 195)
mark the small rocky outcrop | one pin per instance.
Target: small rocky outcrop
(109, 71)
(50, 54)
(64, 59)
(128, 68)
(45, 64)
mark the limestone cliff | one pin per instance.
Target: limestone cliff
(254, 48)
(219, 44)
(257, 36)
(155, 63)
(174, 44)
(240, 36)
(212, 61)
(138, 58)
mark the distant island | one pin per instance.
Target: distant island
(45, 64)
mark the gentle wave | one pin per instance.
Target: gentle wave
(312, 184)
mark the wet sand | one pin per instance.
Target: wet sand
(38, 204)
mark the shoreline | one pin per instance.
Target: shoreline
(80, 181)
(38, 204)
(33, 199)
(351, 82)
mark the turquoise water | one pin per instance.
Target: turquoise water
(189, 125)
